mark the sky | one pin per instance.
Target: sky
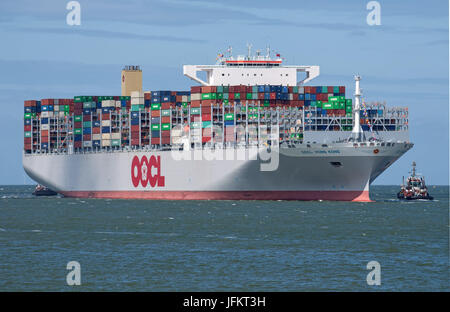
(404, 61)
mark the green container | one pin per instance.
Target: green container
(156, 106)
(206, 124)
(195, 111)
(79, 99)
(78, 118)
(135, 108)
(220, 96)
(226, 96)
(335, 89)
(226, 89)
(226, 101)
(324, 89)
(237, 96)
(27, 134)
(295, 89)
(229, 116)
(219, 89)
(313, 103)
(155, 127)
(33, 115)
(78, 131)
(27, 116)
(185, 104)
(348, 109)
(349, 114)
(165, 113)
(115, 142)
(348, 102)
(319, 104)
(127, 98)
(208, 96)
(87, 124)
(327, 105)
(249, 96)
(66, 108)
(333, 99)
(165, 126)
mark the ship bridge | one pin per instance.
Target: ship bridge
(250, 70)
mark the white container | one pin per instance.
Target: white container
(87, 143)
(137, 101)
(50, 114)
(56, 108)
(115, 136)
(45, 127)
(137, 94)
(301, 89)
(106, 136)
(196, 96)
(108, 103)
(184, 98)
(106, 142)
(176, 132)
(96, 137)
(61, 114)
(55, 102)
(118, 104)
(106, 123)
(44, 114)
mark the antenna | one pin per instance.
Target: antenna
(414, 169)
(249, 47)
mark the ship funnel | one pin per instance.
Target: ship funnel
(357, 131)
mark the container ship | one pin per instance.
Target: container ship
(252, 129)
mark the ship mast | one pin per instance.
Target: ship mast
(414, 169)
(357, 131)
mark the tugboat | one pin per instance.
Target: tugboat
(414, 188)
(43, 191)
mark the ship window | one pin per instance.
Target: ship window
(286, 75)
(223, 74)
(336, 164)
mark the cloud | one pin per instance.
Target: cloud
(75, 31)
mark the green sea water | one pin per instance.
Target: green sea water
(137, 245)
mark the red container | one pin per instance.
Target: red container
(135, 128)
(44, 133)
(164, 141)
(155, 141)
(206, 109)
(196, 89)
(78, 124)
(165, 119)
(135, 141)
(165, 105)
(341, 89)
(208, 89)
(206, 117)
(195, 103)
(47, 101)
(155, 113)
(27, 128)
(87, 118)
(330, 89)
(147, 96)
(27, 140)
(231, 96)
(260, 96)
(273, 96)
(86, 137)
(77, 144)
(165, 133)
(208, 103)
(106, 116)
(44, 139)
(295, 96)
(96, 130)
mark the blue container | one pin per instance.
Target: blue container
(313, 97)
(301, 96)
(44, 145)
(155, 120)
(273, 89)
(365, 127)
(267, 89)
(156, 100)
(266, 96)
(156, 94)
(307, 96)
(319, 110)
(106, 110)
(86, 111)
(96, 123)
(44, 108)
(98, 105)
(155, 133)
(134, 122)
(165, 93)
(165, 99)
(380, 113)
(318, 89)
(260, 89)
(106, 129)
(78, 137)
(44, 121)
(278, 96)
(87, 130)
(96, 143)
(324, 112)
(284, 89)
(134, 115)
(146, 103)
(178, 104)
(50, 108)
(229, 122)
(123, 103)
(27, 122)
(285, 96)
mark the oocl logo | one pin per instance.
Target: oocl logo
(147, 171)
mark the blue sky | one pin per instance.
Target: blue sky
(404, 61)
